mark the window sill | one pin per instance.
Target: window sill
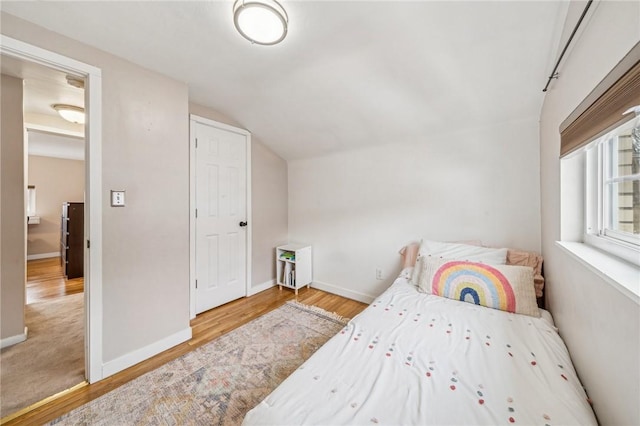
(624, 276)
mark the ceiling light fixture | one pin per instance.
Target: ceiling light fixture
(70, 113)
(260, 21)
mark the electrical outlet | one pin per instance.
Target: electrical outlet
(378, 274)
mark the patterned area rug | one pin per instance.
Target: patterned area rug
(220, 381)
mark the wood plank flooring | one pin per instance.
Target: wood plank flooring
(45, 280)
(206, 327)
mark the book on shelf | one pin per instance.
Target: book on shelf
(289, 275)
(288, 255)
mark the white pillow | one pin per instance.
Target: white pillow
(457, 251)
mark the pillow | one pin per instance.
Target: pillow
(525, 258)
(469, 242)
(532, 259)
(538, 284)
(457, 251)
(504, 287)
(417, 271)
(409, 254)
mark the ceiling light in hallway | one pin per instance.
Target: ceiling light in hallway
(74, 114)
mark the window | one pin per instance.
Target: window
(604, 133)
(621, 178)
(31, 200)
(612, 199)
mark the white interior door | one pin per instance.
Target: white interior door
(221, 215)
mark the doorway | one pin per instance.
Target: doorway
(51, 359)
(27, 55)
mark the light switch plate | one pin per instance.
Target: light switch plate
(117, 198)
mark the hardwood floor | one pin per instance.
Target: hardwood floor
(206, 327)
(45, 280)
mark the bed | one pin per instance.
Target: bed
(416, 358)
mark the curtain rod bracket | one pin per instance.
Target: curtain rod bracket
(554, 73)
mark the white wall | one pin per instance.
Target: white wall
(12, 219)
(359, 208)
(57, 180)
(270, 209)
(600, 325)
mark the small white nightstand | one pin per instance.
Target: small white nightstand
(293, 266)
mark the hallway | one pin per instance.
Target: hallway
(51, 360)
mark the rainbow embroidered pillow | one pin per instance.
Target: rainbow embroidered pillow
(457, 251)
(504, 287)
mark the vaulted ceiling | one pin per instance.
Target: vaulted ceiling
(349, 74)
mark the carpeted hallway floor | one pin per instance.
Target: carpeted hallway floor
(50, 360)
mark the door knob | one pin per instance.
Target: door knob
(243, 224)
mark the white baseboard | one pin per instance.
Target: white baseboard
(12, 340)
(344, 292)
(43, 255)
(111, 367)
(261, 287)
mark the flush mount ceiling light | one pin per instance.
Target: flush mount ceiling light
(260, 21)
(70, 113)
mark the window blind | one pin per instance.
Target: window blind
(603, 109)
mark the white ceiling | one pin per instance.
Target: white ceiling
(349, 74)
(55, 145)
(44, 87)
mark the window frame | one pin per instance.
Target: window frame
(597, 208)
(611, 177)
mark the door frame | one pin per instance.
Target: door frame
(93, 188)
(193, 120)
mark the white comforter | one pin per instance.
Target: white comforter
(417, 359)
